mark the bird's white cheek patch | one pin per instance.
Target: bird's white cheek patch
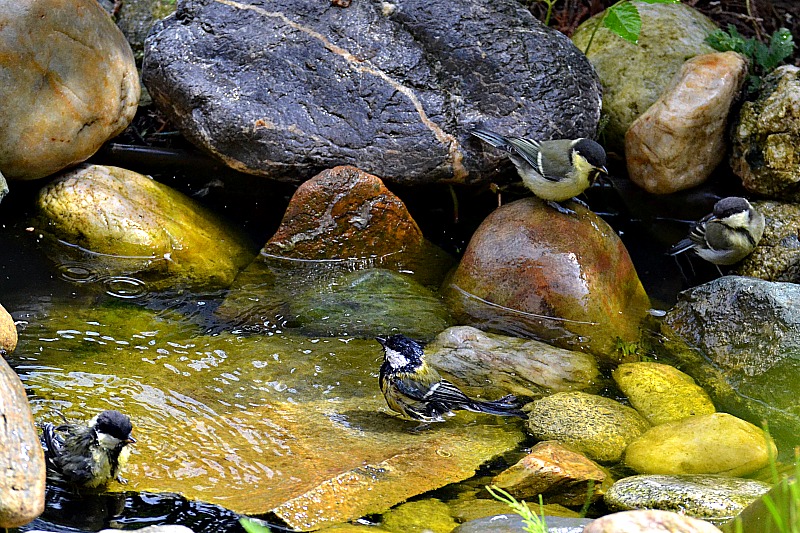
(395, 358)
(107, 441)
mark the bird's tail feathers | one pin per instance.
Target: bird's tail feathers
(496, 140)
(682, 246)
(506, 406)
(51, 442)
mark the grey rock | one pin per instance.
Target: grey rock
(777, 256)
(649, 521)
(512, 523)
(744, 335)
(512, 365)
(766, 138)
(156, 529)
(288, 89)
(599, 427)
(713, 498)
(634, 76)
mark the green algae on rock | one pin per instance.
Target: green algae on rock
(421, 516)
(661, 393)
(119, 222)
(717, 443)
(565, 279)
(599, 427)
(292, 425)
(633, 76)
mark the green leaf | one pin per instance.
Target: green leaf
(624, 20)
(251, 526)
(660, 1)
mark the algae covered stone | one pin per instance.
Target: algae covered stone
(599, 427)
(661, 393)
(120, 222)
(634, 76)
(717, 443)
(423, 516)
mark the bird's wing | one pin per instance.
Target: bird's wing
(446, 392)
(527, 149)
(698, 232)
(52, 442)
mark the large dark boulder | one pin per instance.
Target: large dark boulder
(291, 87)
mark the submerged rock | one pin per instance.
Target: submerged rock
(8, 332)
(634, 76)
(597, 426)
(713, 498)
(118, 222)
(22, 468)
(69, 84)
(288, 89)
(751, 372)
(717, 443)
(678, 142)
(661, 393)
(766, 138)
(649, 521)
(566, 279)
(499, 365)
(558, 474)
(512, 523)
(258, 424)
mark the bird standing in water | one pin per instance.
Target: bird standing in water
(555, 170)
(417, 391)
(88, 455)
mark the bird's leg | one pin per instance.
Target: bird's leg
(121, 479)
(420, 428)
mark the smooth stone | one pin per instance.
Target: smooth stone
(599, 427)
(421, 516)
(499, 365)
(136, 18)
(777, 256)
(713, 498)
(634, 76)
(368, 303)
(390, 87)
(69, 84)
(716, 443)
(8, 332)
(649, 521)
(22, 468)
(661, 393)
(558, 474)
(256, 423)
(566, 279)
(766, 138)
(117, 222)
(678, 142)
(512, 523)
(751, 372)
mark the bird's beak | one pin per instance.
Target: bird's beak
(601, 174)
(381, 340)
(130, 440)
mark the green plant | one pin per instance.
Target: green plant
(763, 58)
(625, 348)
(251, 526)
(623, 19)
(533, 523)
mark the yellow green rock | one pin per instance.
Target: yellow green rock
(424, 516)
(661, 393)
(716, 443)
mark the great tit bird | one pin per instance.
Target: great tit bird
(90, 455)
(554, 171)
(417, 391)
(725, 236)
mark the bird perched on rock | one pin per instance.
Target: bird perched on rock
(555, 170)
(88, 455)
(417, 391)
(725, 236)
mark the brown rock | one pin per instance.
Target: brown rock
(649, 521)
(8, 331)
(680, 139)
(22, 469)
(69, 84)
(559, 474)
(344, 213)
(565, 279)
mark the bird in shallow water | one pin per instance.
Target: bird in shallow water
(725, 236)
(556, 170)
(417, 391)
(88, 455)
